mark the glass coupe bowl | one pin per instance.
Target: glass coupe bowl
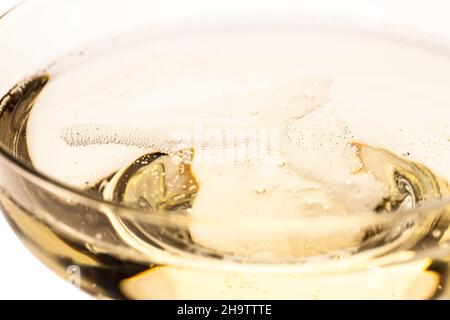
(118, 172)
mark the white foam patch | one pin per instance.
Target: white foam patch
(313, 175)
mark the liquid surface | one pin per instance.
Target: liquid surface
(318, 124)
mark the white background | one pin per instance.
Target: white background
(23, 277)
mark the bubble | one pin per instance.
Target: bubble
(308, 94)
(405, 154)
(261, 190)
(98, 236)
(86, 134)
(436, 233)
